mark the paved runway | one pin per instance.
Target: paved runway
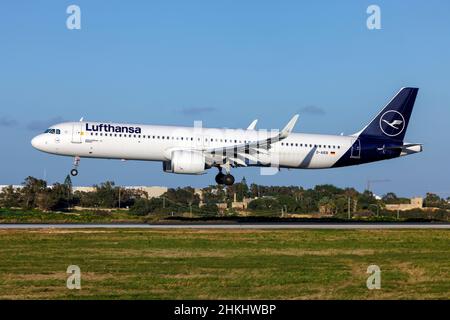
(235, 226)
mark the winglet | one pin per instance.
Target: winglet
(288, 128)
(252, 125)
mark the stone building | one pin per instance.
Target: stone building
(415, 203)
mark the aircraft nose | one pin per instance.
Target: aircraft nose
(37, 142)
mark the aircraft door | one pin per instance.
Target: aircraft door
(356, 149)
(77, 129)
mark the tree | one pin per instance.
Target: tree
(264, 204)
(68, 183)
(86, 199)
(327, 205)
(31, 187)
(365, 200)
(141, 207)
(10, 197)
(288, 202)
(209, 209)
(390, 197)
(45, 200)
(61, 194)
(182, 197)
(213, 194)
(254, 190)
(241, 190)
(432, 200)
(105, 194)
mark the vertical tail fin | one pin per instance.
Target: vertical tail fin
(392, 121)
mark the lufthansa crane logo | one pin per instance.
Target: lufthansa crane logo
(392, 123)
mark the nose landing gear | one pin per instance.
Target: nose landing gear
(76, 163)
(226, 179)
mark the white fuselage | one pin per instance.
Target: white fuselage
(155, 143)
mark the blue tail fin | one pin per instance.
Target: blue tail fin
(392, 122)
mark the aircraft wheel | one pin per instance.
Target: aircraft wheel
(228, 180)
(220, 178)
(74, 172)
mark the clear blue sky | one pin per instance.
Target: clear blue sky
(226, 63)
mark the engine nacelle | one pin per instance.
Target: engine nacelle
(185, 162)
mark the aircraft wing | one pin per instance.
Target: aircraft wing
(237, 154)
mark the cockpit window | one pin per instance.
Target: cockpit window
(53, 131)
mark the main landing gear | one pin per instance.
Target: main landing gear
(226, 179)
(76, 163)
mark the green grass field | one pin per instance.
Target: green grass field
(225, 264)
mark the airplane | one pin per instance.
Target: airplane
(193, 150)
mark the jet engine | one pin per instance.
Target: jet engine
(186, 162)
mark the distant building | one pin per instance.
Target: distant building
(153, 192)
(83, 189)
(222, 206)
(15, 187)
(238, 205)
(415, 203)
